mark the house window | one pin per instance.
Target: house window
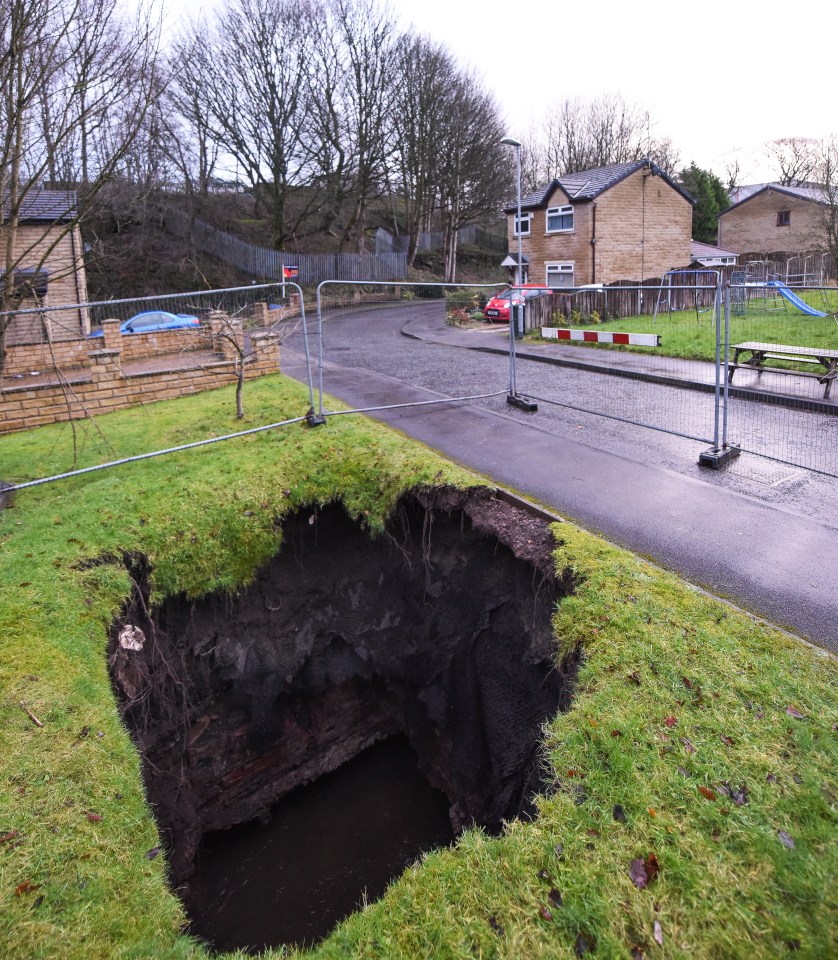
(559, 275)
(526, 223)
(28, 283)
(784, 218)
(559, 219)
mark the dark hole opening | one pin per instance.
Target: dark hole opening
(437, 634)
(292, 879)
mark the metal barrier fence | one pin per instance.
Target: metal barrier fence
(72, 380)
(655, 369)
(366, 325)
(752, 372)
(73, 321)
(783, 353)
(732, 365)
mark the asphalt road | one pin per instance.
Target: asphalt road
(762, 534)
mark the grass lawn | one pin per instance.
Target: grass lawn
(691, 337)
(693, 806)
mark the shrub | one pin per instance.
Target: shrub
(457, 316)
(594, 317)
(575, 317)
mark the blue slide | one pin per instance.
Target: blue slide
(793, 298)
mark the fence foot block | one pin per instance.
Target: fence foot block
(314, 419)
(5, 498)
(715, 459)
(521, 403)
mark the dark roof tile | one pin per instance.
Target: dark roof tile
(46, 206)
(589, 184)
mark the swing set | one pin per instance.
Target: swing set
(667, 288)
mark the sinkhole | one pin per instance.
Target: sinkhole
(400, 680)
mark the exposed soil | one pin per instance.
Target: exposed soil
(439, 630)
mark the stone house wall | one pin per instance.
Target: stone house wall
(61, 249)
(642, 228)
(755, 224)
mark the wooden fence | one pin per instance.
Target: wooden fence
(625, 299)
(267, 263)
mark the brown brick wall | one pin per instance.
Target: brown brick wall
(643, 229)
(70, 354)
(107, 389)
(67, 283)
(629, 245)
(752, 226)
(542, 247)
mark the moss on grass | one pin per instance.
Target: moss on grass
(684, 709)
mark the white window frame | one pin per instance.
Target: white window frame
(559, 268)
(526, 218)
(561, 212)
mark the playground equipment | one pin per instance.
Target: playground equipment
(667, 289)
(805, 270)
(793, 299)
(738, 298)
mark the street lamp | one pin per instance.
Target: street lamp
(514, 398)
(511, 142)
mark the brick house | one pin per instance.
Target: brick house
(48, 265)
(772, 218)
(626, 221)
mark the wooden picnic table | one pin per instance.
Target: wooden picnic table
(760, 352)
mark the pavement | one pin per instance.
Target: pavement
(771, 548)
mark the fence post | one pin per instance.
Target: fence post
(513, 398)
(721, 452)
(727, 296)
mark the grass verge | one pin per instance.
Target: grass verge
(693, 804)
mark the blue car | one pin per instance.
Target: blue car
(152, 321)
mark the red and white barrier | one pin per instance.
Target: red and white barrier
(602, 336)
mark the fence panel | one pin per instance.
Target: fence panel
(367, 326)
(783, 349)
(643, 353)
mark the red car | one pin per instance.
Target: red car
(498, 307)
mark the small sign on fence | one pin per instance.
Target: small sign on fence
(290, 272)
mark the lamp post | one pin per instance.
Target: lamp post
(513, 398)
(511, 142)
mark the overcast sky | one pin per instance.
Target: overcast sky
(717, 79)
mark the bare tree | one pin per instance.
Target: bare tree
(191, 144)
(827, 173)
(426, 73)
(367, 34)
(795, 159)
(252, 76)
(581, 134)
(67, 68)
(474, 173)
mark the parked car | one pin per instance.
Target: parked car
(498, 307)
(152, 321)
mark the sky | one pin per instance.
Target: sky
(719, 80)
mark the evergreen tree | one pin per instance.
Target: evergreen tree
(710, 197)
